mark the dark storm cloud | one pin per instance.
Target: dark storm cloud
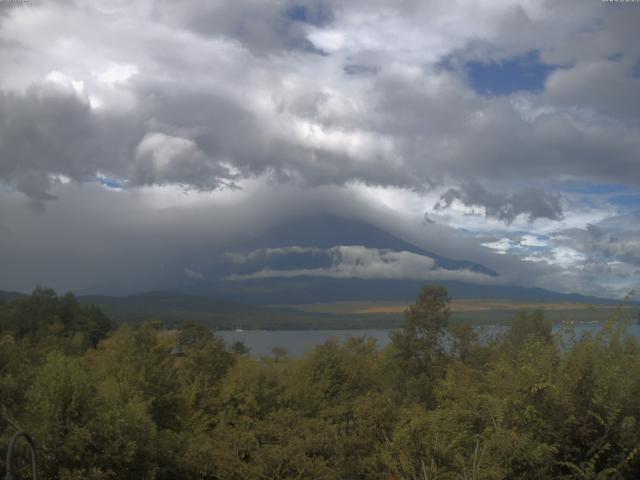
(605, 86)
(233, 92)
(531, 202)
(166, 159)
(601, 245)
(263, 27)
(49, 131)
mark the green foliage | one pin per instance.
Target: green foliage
(464, 342)
(45, 315)
(417, 348)
(436, 404)
(529, 327)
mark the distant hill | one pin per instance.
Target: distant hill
(300, 290)
(172, 309)
(9, 296)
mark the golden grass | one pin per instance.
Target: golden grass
(470, 305)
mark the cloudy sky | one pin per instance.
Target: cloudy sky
(140, 139)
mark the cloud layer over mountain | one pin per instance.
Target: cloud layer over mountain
(357, 261)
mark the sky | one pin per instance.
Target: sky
(140, 140)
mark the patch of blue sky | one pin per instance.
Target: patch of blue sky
(527, 246)
(298, 13)
(313, 16)
(630, 200)
(114, 183)
(358, 69)
(615, 57)
(514, 233)
(623, 198)
(516, 249)
(587, 188)
(538, 249)
(6, 188)
(635, 70)
(524, 73)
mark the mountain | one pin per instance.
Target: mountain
(295, 263)
(327, 231)
(312, 259)
(303, 261)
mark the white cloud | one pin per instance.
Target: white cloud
(193, 274)
(533, 241)
(117, 74)
(353, 261)
(501, 246)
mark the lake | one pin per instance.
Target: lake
(298, 342)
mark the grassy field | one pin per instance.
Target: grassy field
(475, 311)
(472, 305)
(172, 309)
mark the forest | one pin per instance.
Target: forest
(105, 401)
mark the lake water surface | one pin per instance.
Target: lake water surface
(298, 342)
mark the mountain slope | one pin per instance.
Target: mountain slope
(10, 296)
(291, 275)
(326, 231)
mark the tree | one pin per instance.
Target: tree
(464, 340)
(92, 322)
(61, 402)
(193, 334)
(44, 315)
(519, 406)
(204, 363)
(529, 327)
(416, 345)
(239, 349)
(31, 316)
